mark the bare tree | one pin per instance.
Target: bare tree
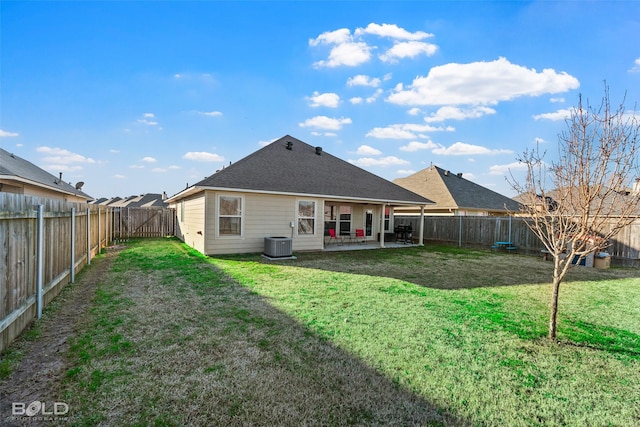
(577, 204)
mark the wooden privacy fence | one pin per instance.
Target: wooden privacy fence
(482, 232)
(143, 222)
(45, 242)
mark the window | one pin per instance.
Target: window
(329, 218)
(386, 218)
(229, 215)
(345, 220)
(306, 217)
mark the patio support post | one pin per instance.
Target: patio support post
(421, 233)
(382, 225)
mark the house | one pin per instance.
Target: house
(147, 200)
(454, 195)
(287, 189)
(20, 176)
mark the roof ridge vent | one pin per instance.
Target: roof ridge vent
(319, 151)
(289, 145)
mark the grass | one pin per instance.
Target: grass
(416, 336)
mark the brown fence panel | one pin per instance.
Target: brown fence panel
(482, 232)
(68, 228)
(19, 262)
(143, 222)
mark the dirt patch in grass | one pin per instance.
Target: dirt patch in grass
(39, 354)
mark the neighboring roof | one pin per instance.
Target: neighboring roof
(452, 191)
(301, 171)
(18, 169)
(147, 200)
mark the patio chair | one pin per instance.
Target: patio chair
(360, 236)
(333, 237)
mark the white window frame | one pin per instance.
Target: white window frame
(314, 218)
(241, 216)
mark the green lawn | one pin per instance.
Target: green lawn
(415, 336)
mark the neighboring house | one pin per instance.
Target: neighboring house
(286, 189)
(454, 195)
(20, 176)
(148, 200)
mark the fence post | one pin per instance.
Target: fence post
(99, 230)
(460, 231)
(73, 245)
(39, 260)
(88, 236)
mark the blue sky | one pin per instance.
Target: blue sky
(146, 97)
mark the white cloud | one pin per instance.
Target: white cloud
(158, 170)
(148, 159)
(392, 31)
(356, 100)
(556, 116)
(331, 100)
(174, 167)
(381, 161)
(455, 113)
(405, 172)
(148, 119)
(557, 100)
(342, 35)
(62, 156)
(505, 169)
(417, 146)
(350, 54)
(202, 156)
(636, 66)
(324, 122)
(415, 111)
(391, 132)
(119, 176)
(363, 80)
(376, 95)
(209, 113)
(365, 150)
(352, 49)
(462, 149)
(7, 134)
(405, 131)
(136, 167)
(408, 49)
(481, 83)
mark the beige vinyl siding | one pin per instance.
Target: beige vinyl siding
(33, 190)
(263, 216)
(191, 221)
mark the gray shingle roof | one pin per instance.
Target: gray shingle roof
(449, 190)
(300, 170)
(14, 167)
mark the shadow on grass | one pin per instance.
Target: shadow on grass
(441, 267)
(198, 338)
(605, 338)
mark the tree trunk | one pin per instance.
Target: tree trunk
(554, 308)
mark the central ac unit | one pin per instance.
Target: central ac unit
(277, 247)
